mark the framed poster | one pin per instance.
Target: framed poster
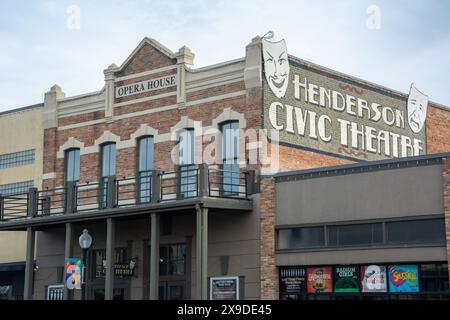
(346, 279)
(319, 280)
(74, 269)
(373, 278)
(403, 278)
(292, 280)
(224, 288)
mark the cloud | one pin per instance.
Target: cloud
(39, 50)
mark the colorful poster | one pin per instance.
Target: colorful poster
(74, 269)
(293, 280)
(319, 280)
(373, 278)
(346, 279)
(403, 278)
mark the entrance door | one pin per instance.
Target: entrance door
(172, 290)
(119, 293)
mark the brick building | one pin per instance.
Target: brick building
(180, 176)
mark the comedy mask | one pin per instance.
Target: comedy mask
(276, 66)
(417, 109)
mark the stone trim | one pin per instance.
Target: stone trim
(71, 143)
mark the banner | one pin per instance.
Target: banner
(346, 279)
(74, 269)
(403, 278)
(373, 278)
(293, 280)
(319, 280)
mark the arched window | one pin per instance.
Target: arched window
(72, 165)
(108, 168)
(187, 169)
(145, 167)
(230, 157)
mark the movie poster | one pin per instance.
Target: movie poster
(346, 279)
(403, 278)
(373, 278)
(319, 280)
(293, 280)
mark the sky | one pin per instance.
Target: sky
(69, 43)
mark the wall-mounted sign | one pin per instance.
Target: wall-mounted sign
(224, 288)
(403, 278)
(146, 86)
(74, 268)
(346, 279)
(319, 280)
(318, 110)
(293, 280)
(120, 269)
(373, 278)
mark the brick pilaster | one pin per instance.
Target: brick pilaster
(269, 274)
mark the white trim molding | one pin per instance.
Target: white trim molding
(229, 115)
(71, 143)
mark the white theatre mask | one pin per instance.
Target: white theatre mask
(276, 66)
(417, 109)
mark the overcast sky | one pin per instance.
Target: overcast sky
(42, 44)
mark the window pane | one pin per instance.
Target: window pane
(73, 165)
(355, 235)
(297, 238)
(419, 231)
(109, 160)
(146, 154)
(186, 147)
(230, 154)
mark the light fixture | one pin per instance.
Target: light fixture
(85, 240)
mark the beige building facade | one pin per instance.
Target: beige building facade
(20, 168)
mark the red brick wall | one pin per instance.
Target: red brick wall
(269, 271)
(438, 130)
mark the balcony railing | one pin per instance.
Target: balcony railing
(148, 187)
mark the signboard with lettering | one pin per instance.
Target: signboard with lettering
(120, 269)
(224, 288)
(403, 278)
(316, 110)
(346, 279)
(293, 280)
(146, 86)
(373, 278)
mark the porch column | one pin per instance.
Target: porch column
(109, 276)
(154, 256)
(29, 265)
(68, 253)
(202, 253)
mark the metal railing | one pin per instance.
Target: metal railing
(147, 187)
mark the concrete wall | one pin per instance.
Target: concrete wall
(20, 131)
(389, 193)
(230, 234)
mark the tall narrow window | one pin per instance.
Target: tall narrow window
(145, 165)
(230, 156)
(187, 170)
(108, 169)
(72, 171)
